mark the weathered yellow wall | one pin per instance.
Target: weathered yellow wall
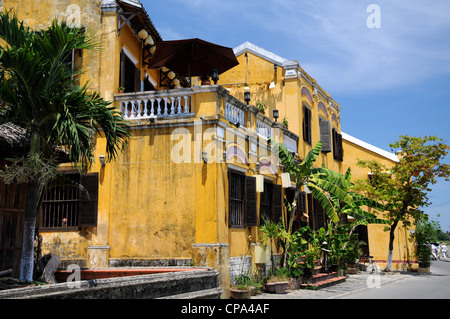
(286, 97)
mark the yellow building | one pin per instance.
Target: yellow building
(313, 115)
(185, 190)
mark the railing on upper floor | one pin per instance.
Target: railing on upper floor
(234, 113)
(153, 104)
(263, 128)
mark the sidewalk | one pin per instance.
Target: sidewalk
(361, 280)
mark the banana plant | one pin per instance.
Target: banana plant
(334, 193)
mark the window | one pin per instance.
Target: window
(242, 200)
(74, 61)
(338, 152)
(307, 125)
(271, 202)
(317, 216)
(71, 202)
(130, 75)
(325, 135)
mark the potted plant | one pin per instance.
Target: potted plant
(261, 107)
(285, 122)
(121, 89)
(242, 288)
(277, 284)
(240, 292)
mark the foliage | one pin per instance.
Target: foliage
(38, 93)
(270, 232)
(424, 234)
(403, 188)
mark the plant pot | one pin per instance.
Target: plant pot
(295, 283)
(277, 287)
(240, 294)
(352, 270)
(252, 290)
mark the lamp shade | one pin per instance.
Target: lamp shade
(259, 183)
(285, 180)
(247, 96)
(275, 114)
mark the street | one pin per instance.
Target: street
(434, 285)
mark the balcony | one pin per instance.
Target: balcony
(211, 102)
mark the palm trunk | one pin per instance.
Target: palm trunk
(27, 258)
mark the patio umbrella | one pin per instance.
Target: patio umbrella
(193, 57)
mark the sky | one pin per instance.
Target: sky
(387, 63)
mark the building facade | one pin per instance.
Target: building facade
(198, 172)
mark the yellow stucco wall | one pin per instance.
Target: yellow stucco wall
(287, 97)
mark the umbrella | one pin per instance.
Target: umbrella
(193, 57)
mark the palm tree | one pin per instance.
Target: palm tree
(38, 93)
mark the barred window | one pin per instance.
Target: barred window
(70, 202)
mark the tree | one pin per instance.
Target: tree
(38, 93)
(403, 188)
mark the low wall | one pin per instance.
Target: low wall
(186, 284)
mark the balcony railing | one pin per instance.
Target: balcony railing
(234, 113)
(204, 102)
(155, 104)
(263, 129)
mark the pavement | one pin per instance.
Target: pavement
(354, 283)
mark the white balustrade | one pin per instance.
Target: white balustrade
(154, 104)
(234, 114)
(263, 129)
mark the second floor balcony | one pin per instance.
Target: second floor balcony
(207, 103)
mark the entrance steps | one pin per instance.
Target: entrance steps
(322, 279)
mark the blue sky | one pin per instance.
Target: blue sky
(389, 81)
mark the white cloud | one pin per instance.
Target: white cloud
(330, 38)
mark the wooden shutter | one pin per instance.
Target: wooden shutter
(89, 200)
(137, 80)
(325, 135)
(311, 211)
(122, 69)
(338, 150)
(250, 202)
(306, 124)
(301, 203)
(277, 203)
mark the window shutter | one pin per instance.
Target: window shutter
(325, 135)
(89, 200)
(340, 148)
(306, 124)
(250, 202)
(137, 80)
(122, 69)
(311, 211)
(277, 202)
(301, 200)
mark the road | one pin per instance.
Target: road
(435, 285)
